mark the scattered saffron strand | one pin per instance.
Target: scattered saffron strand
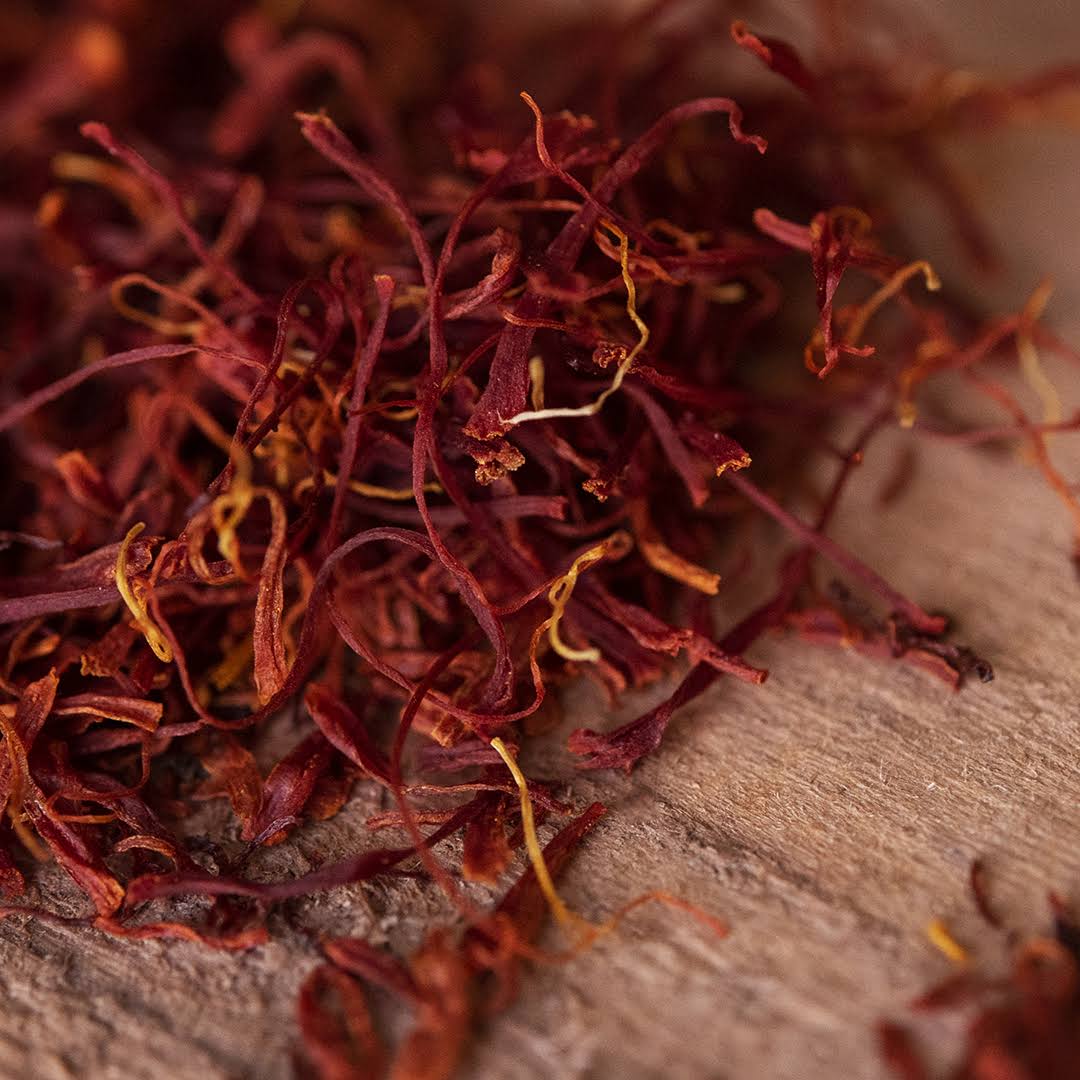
(136, 604)
(369, 491)
(562, 913)
(921, 620)
(549, 162)
(18, 411)
(667, 562)
(1030, 363)
(937, 933)
(168, 195)
(1022, 1023)
(397, 785)
(980, 894)
(129, 189)
(384, 290)
(586, 932)
(1036, 440)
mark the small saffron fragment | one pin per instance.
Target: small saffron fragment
(938, 934)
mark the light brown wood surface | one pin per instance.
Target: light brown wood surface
(828, 816)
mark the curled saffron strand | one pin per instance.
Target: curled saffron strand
(136, 603)
(228, 510)
(887, 291)
(628, 357)
(615, 546)
(160, 325)
(91, 170)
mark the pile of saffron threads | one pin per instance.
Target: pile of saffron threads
(388, 368)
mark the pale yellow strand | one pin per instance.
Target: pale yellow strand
(887, 292)
(532, 842)
(1030, 364)
(937, 933)
(627, 362)
(136, 604)
(559, 595)
(371, 491)
(536, 383)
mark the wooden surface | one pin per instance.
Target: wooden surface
(828, 816)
